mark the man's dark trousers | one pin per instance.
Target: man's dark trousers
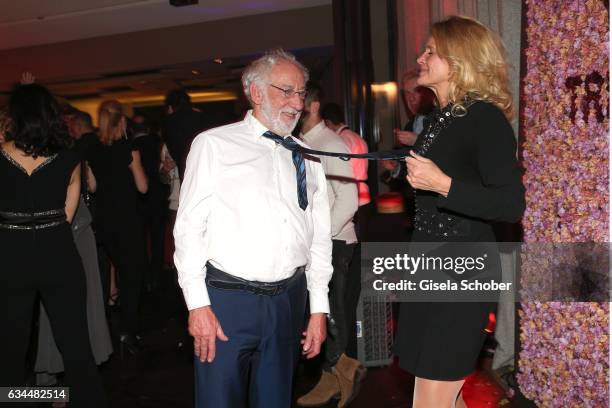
(255, 367)
(341, 304)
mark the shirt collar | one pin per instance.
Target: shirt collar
(256, 127)
(341, 129)
(314, 132)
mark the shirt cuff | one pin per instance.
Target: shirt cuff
(319, 301)
(396, 171)
(196, 296)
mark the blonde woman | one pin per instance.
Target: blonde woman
(120, 178)
(465, 175)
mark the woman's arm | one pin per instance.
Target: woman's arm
(73, 192)
(500, 196)
(91, 180)
(140, 178)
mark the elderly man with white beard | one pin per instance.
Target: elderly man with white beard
(252, 241)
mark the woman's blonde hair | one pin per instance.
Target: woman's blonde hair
(110, 114)
(477, 61)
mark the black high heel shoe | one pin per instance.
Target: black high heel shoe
(129, 345)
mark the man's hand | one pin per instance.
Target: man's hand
(205, 328)
(424, 174)
(314, 335)
(168, 164)
(404, 137)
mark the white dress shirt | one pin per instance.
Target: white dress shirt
(341, 188)
(238, 210)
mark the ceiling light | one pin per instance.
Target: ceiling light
(218, 61)
(195, 72)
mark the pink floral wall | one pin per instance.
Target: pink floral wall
(563, 360)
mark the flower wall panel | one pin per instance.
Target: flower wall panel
(563, 360)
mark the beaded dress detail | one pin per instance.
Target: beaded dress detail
(439, 224)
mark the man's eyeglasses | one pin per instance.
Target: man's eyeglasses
(288, 93)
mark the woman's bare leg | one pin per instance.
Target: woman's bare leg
(435, 394)
(460, 403)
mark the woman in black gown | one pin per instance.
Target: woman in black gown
(40, 191)
(465, 174)
(118, 220)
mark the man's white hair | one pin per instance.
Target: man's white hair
(258, 70)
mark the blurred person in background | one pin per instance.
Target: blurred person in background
(81, 129)
(341, 374)
(418, 102)
(154, 204)
(182, 124)
(120, 177)
(333, 115)
(170, 177)
(48, 358)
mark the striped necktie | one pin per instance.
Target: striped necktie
(299, 163)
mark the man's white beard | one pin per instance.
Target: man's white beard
(276, 124)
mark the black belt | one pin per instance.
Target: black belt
(216, 278)
(32, 220)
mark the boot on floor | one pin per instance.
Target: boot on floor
(327, 388)
(349, 374)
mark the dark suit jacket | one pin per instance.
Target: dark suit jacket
(179, 130)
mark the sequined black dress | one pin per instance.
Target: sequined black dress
(438, 340)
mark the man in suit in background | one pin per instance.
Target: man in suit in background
(182, 124)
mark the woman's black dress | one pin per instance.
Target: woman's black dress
(442, 340)
(118, 222)
(39, 257)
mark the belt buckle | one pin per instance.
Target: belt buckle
(269, 291)
(258, 291)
